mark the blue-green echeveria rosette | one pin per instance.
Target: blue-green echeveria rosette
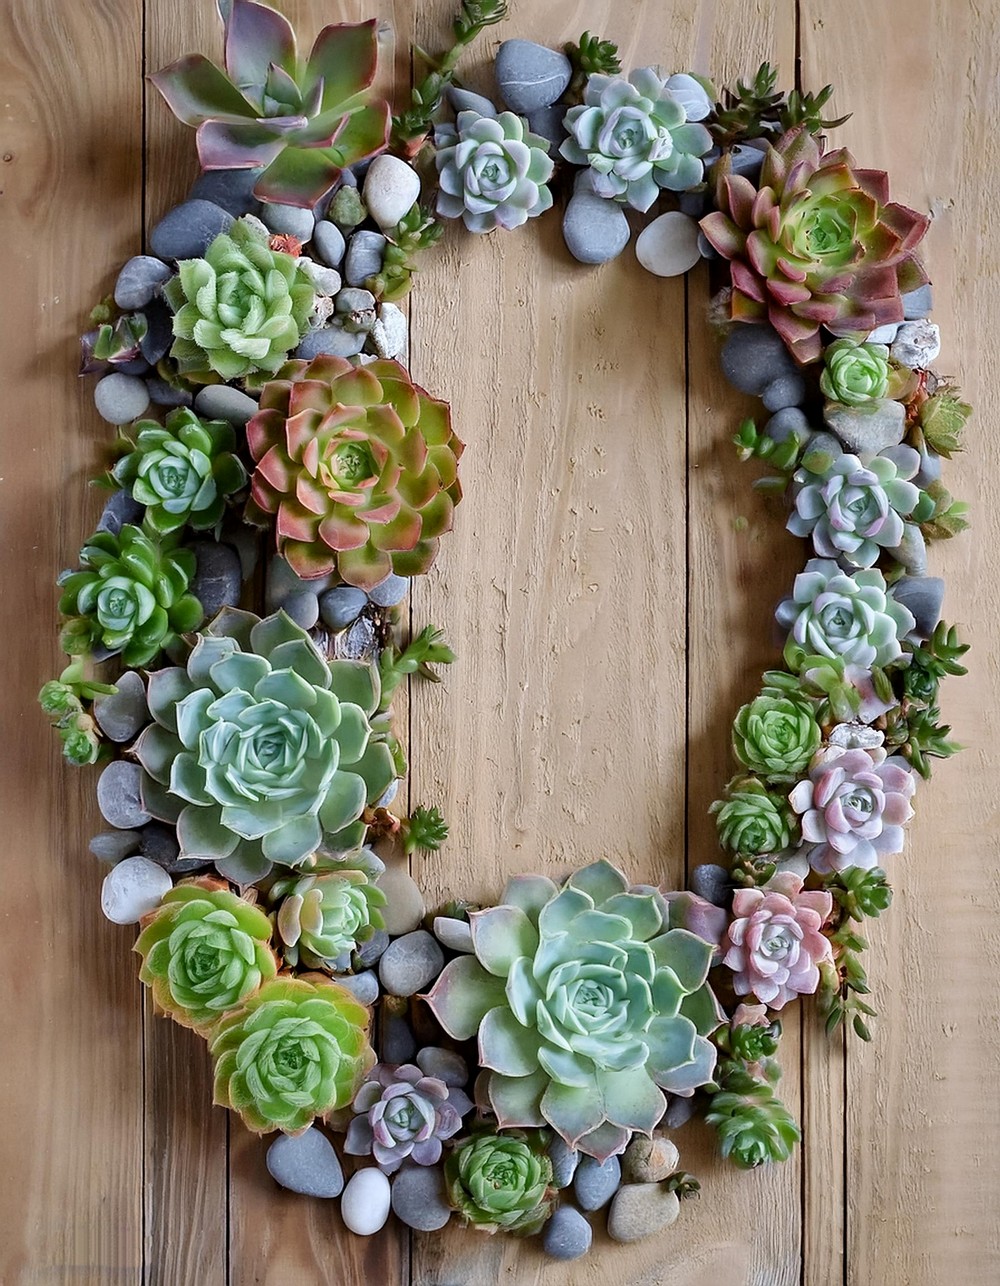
(322, 917)
(587, 1007)
(639, 135)
(261, 751)
(855, 373)
(493, 171)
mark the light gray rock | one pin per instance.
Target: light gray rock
(282, 583)
(564, 1161)
(362, 986)
(364, 257)
(923, 595)
(218, 578)
(883, 334)
(303, 608)
(456, 935)
(341, 605)
(186, 231)
(326, 281)
(119, 398)
(746, 161)
(785, 422)
(290, 220)
(159, 331)
(641, 1209)
(399, 1045)
(333, 340)
(649, 1160)
(595, 230)
(119, 510)
(530, 76)
(918, 303)
(355, 309)
(596, 1182)
(854, 736)
(118, 796)
(306, 1163)
(912, 550)
(679, 1111)
(445, 1064)
(917, 344)
(328, 243)
(404, 907)
(668, 246)
(705, 247)
(358, 641)
(390, 331)
(132, 889)
(139, 281)
(567, 1235)
(547, 123)
(711, 882)
(754, 357)
(410, 963)
(220, 402)
(418, 1197)
(871, 427)
(114, 846)
(370, 952)
(364, 1207)
(390, 591)
(784, 392)
(464, 100)
(391, 189)
(124, 712)
(230, 189)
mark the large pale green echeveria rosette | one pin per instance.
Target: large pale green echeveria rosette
(240, 309)
(586, 1006)
(638, 136)
(500, 1182)
(261, 751)
(182, 472)
(321, 917)
(492, 171)
(204, 951)
(296, 1050)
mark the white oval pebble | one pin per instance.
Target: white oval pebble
(668, 246)
(391, 189)
(365, 1203)
(405, 906)
(120, 398)
(132, 889)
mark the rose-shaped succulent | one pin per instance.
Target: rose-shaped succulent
(855, 373)
(261, 751)
(816, 243)
(853, 806)
(776, 735)
(360, 467)
(404, 1115)
(587, 1006)
(240, 308)
(639, 135)
(852, 617)
(775, 943)
(855, 508)
(320, 917)
(294, 1051)
(492, 171)
(130, 596)
(204, 951)
(751, 821)
(501, 1182)
(182, 472)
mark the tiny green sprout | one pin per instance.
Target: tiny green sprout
(425, 829)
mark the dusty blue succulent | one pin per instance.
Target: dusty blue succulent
(492, 171)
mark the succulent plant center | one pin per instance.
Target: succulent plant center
(826, 230)
(290, 1058)
(176, 478)
(202, 962)
(502, 1174)
(777, 942)
(349, 465)
(860, 802)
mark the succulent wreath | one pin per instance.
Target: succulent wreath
(270, 437)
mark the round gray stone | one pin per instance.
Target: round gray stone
(231, 189)
(679, 1111)
(364, 257)
(746, 161)
(418, 1198)
(567, 1235)
(290, 220)
(306, 1163)
(118, 795)
(398, 1042)
(159, 843)
(547, 122)
(133, 888)
(124, 712)
(753, 356)
(596, 1182)
(923, 595)
(303, 608)
(870, 428)
(362, 986)
(332, 340)
(785, 422)
(119, 398)
(163, 394)
(595, 230)
(328, 243)
(464, 100)
(119, 510)
(282, 583)
(912, 550)
(114, 846)
(390, 591)
(444, 1064)
(220, 402)
(392, 188)
(186, 231)
(410, 963)
(218, 579)
(341, 605)
(530, 76)
(370, 952)
(404, 908)
(786, 391)
(711, 882)
(139, 280)
(641, 1209)
(564, 1161)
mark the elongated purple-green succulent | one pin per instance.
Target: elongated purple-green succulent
(586, 1005)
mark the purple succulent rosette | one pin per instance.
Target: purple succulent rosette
(404, 1115)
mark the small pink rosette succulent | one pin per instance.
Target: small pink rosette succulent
(775, 943)
(853, 806)
(404, 1115)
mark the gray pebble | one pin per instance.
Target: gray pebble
(595, 230)
(786, 391)
(705, 247)
(923, 595)
(390, 591)
(930, 468)
(916, 345)
(163, 394)
(133, 888)
(456, 935)
(444, 1064)
(918, 303)
(883, 334)
(118, 795)
(370, 952)
(159, 331)
(410, 963)
(231, 189)
(564, 1161)
(404, 908)
(119, 510)
(137, 366)
(695, 204)
(303, 608)
(138, 281)
(464, 100)
(641, 1209)
(124, 712)
(679, 1111)
(869, 428)
(398, 1042)
(326, 281)
(159, 843)
(912, 550)
(120, 399)
(358, 642)
(291, 220)
(186, 231)
(282, 583)
(567, 1235)
(220, 402)
(356, 308)
(595, 1183)
(712, 883)
(364, 257)
(548, 123)
(530, 76)
(306, 1163)
(746, 161)
(328, 243)
(418, 1198)
(332, 340)
(362, 986)
(114, 846)
(754, 356)
(785, 422)
(218, 579)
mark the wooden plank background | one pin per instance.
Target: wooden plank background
(609, 591)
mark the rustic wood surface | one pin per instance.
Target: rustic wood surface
(609, 591)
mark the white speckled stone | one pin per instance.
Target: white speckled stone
(668, 247)
(132, 889)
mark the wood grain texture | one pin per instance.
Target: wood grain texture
(609, 591)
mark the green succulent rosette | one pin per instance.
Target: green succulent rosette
(204, 951)
(130, 596)
(500, 1182)
(261, 751)
(776, 735)
(587, 1007)
(855, 373)
(240, 309)
(320, 917)
(295, 1050)
(182, 472)
(751, 820)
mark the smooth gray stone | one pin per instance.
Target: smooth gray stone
(705, 247)
(784, 423)
(132, 889)
(303, 608)
(923, 595)
(137, 366)
(567, 1235)
(391, 591)
(595, 230)
(220, 402)
(456, 935)
(418, 1198)
(119, 398)
(912, 550)
(746, 161)
(119, 509)
(186, 231)
(641, 1209)
(364, 257)
(123, 713)
(114, 846)
(118, 796)
(159, 843)
(332, 340)
(693, 203)
(163, 394)
(410, 963)
(326, 281)
(564, 1161)
(444, 1064)
(754, 356)
(548, 123)
(218, 579)
(679, 1111)
(918, 303)
(362, 986)
(530, 76)
(139, 280)
(282, 582)
(160, 331)
(231, 189)
(711, 882)
(398, 1042)
(306, 1163)
(595, 1183)
(404, 908)
(353, 299)
(869, 428)
(290, 220)
(786, 391)
(328, 243)
(464, 100)
(370, 952)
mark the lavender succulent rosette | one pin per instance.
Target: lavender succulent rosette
(404, 1115)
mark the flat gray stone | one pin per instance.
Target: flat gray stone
(596, 1182)
(870, 428)
(114, 846)
(567, 1235)
(746, 161)
(391, 189)
(123, 713)
(362, 986)
(711, 882)
(456, 935)
(679, 1111)
(912, 550)
(668, 245)
(118, 795)
(163, 394)
(399, 1045)
(328, 243)
(332, 340)
(230, 189)
(444, 1064)
(303, 608)
(390, 591)
(186, 231)
(306, 1163)
(218, 579)
(786, 391)
(595, 230)
(370, 952)
(119, 509)
(119, 398)
(159, 843)
(918, 303)
(641, 1209)
(282, 582)
(220, 402)
(418, 1197)
(139, 280)
(364, 257)
(530, 76)
(564, 1161)
(290, 220)
(923, 595)
(133, 888)
(754, 356)
(464, 100)
(547, 123)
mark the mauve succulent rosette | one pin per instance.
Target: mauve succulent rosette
(403, 1115)
(775, 943)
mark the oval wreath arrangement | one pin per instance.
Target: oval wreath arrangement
(274, 450)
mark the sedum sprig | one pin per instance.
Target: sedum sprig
(425, 828)
(417, 231)
(758, 108)
(807, 110)
(753, 1124)
(62, 700)
(417, 657)
(592, 56)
